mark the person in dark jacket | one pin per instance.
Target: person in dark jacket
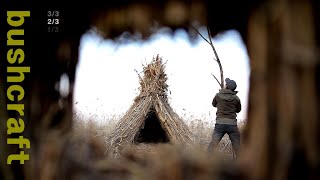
(228, 105)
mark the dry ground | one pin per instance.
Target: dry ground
(81, 155)
(89, 128)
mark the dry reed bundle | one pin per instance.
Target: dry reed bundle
(152, 99)
(154, 80)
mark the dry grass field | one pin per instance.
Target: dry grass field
(149, 161)
(89, 128)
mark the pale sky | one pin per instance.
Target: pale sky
(106, 81)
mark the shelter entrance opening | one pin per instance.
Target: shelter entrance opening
(152, 131)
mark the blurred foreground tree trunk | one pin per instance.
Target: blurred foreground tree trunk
(282, 137)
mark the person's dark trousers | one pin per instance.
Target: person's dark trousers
(219, 132)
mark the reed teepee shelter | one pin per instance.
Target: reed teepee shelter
(150, 119)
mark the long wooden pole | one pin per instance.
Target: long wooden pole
(217, 59)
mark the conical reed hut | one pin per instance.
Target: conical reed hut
(150, 119)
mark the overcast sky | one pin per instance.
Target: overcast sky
(106, 81)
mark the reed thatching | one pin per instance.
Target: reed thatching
(150, 119)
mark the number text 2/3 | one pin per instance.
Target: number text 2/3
(53, 21)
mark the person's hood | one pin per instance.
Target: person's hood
(227, 94)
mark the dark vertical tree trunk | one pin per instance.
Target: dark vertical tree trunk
(283, 118)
